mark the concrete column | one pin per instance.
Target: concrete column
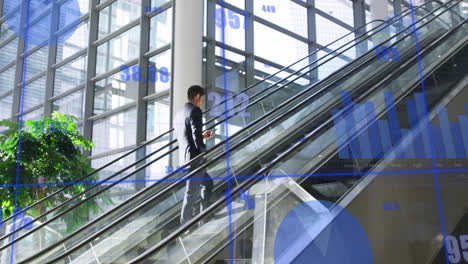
(188, 33)
(378, 9)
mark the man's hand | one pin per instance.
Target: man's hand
(208, 134)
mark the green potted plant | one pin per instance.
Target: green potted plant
(50, 153)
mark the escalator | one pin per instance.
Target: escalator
(209, 242)
(151, 214)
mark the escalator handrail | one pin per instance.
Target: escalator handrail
(250, 182)
(165, 190)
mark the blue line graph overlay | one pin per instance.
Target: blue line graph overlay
(450, 140)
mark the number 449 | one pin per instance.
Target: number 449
(454, 251)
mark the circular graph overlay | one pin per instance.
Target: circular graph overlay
(310, 234)
(42, 18)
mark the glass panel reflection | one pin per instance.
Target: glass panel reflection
(118, 50)
(113, 92)
(113, 132)
(71, 105)
(117, 15)
(70, 75)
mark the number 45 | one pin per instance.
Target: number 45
(453, 251)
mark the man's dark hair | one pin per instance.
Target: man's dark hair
(194, 90)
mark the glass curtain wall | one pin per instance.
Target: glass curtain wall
(103, 60)
(262, 36)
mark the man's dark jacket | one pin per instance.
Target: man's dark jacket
(189, 129)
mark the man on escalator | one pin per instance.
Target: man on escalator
(189, 127)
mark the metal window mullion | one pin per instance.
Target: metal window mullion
(111, 72)
(2, 2)
(396, 7)
(163, 7)
(210, 68)
(262, 21)
(16, 9)
(31, 79)
(210, 45)
(91, 71)
(157, 96)
(299, 2)
(117, 110)
(285, 31)
(312, 36)
(171, 88)
(249, 45)
(17, 91)
(72, 25)
(38, 18)
(229, 48)
(32, 109)
(5, 94)
(158, 50)
(359, 14)
(33, 49)
(8, 40)
(50, 72)
(107, 3)
(113, 152)
(67, 93)
(69, 59)
(6, 67)
(117, 32)
(107, 40)
(141, 104)
(333, 19)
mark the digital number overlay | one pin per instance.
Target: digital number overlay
(171, 169)
(391, 206)
(269, 8)
(149, 9)
(52, 127)
(231, 19)
(218, 98)
(457, 248)
(154, 74)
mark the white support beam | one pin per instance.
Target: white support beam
(378, 9)
(188, 36)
